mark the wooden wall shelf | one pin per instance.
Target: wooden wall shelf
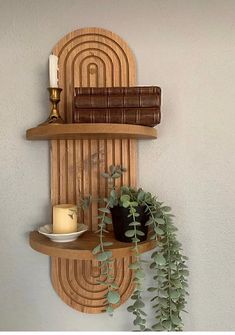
(89, 131)
(79, 153)
(82, 247)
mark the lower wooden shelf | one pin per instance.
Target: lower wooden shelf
(74, 269)
(81, 248)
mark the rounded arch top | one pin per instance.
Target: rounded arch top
(92, 57)
(101, 36)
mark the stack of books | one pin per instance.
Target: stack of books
(130, 105)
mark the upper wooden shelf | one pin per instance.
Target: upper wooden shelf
(90, 130)
(82, 247)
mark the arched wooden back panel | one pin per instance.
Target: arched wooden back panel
(91, 57)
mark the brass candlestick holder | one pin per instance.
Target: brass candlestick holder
(54, 117)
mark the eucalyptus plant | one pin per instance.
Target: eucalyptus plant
(167, 265)
(102, 254)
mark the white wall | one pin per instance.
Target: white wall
(188, 48)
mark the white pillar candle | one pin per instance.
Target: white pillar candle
(64, 219)
(53, 68)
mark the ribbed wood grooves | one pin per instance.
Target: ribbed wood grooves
(77, 166)
(97, 58)
(75, 282)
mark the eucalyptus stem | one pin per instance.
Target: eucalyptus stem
(159, 284)
(107, 262)
(169, 272)
(105, 256)
(139, 274)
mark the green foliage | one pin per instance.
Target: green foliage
(113, 297)
(102, 255)
(168, 266)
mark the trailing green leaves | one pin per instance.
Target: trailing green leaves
(113, 297)
(103, 256)
(139, 274)
(169, 268)
(168, 264)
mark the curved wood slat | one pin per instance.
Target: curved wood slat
(98, 58)
(71, 284)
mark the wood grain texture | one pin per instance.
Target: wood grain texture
(75, 282)
(82, 247)
(90, 131)
(91, 57)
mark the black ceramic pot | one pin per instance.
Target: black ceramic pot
(121, 223)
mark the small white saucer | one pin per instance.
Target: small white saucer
(61, 238)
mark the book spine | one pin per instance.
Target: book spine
(117, 101)
(117, 90)
(139, 116)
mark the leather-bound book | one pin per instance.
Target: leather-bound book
(113, 97)
(139, 116)
(132, 105)
(118, 90)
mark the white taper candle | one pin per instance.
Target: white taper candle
(53, 67)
